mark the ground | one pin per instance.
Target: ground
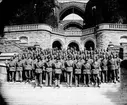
(25, 94)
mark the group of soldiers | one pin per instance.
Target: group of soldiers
(52, 67)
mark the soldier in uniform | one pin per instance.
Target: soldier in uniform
(69, 70)
(86, 68)
(58, 72)
(49, 71)
(117, 64)
(77, 67)
(95, 71)
(38, 72)
(104, 69)
(111, 66)
(12, 69)
(28, 69)
(19, 69)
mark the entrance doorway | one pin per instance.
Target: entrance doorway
(74, 46)
(89, 44)
(57, 44)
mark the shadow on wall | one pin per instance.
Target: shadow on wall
(119, 97)
(2, 99)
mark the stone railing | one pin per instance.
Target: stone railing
(27, 27)
(111, 26)
(88, 31)
(73, 33)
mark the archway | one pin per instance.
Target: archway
(57, 44)
(74, 45)
(89, 44)
(71, 9)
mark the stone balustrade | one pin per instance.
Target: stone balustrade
(111, 26)
(27, 27)
(88, 31)
(73, 33)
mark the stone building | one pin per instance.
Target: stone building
(70, 33)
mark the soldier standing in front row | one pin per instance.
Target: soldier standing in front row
(78, 67)
(86, 68)
(95, 71)
(19, 69)
(69, 70)
(58, 72)
(104, 68)
(12, 69)
(49, 71)
(38, 72)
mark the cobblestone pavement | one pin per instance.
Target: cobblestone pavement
(25, 94)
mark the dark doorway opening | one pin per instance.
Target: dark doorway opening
(57, 45)
(74, 46)
(89, 44)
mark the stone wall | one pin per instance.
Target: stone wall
(110, 33)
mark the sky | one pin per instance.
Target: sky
(73, 16)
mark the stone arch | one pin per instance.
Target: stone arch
(57, 43)
(74, 44)
(123, 39)
(71, 9)
(73, 24)
(23, 39)
(90, 42)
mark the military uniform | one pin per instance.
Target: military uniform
(58, 72)
(38, 73)
(12, 69)
(104, 70)
(86, 68)
(28, 69)
(19, 69)
(95, 72)
(111, 65)
(78, 72)
(49, 71)
(69, 70)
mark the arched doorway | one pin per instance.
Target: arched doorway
(89, 44)
(57, 44)
(74, 45)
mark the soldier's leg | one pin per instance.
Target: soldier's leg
(58, 83)
(36, 79)
(98, 80)
(50, 77)
(88, 80)
(40, 79)
(68, 79)
(20, 75)
(84, 79)
(47, 78)
(113, 76)
(116, 74)
(71, 74)
(76, 80)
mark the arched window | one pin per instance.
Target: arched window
(23, 39)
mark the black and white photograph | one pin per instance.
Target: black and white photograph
(63, 52)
